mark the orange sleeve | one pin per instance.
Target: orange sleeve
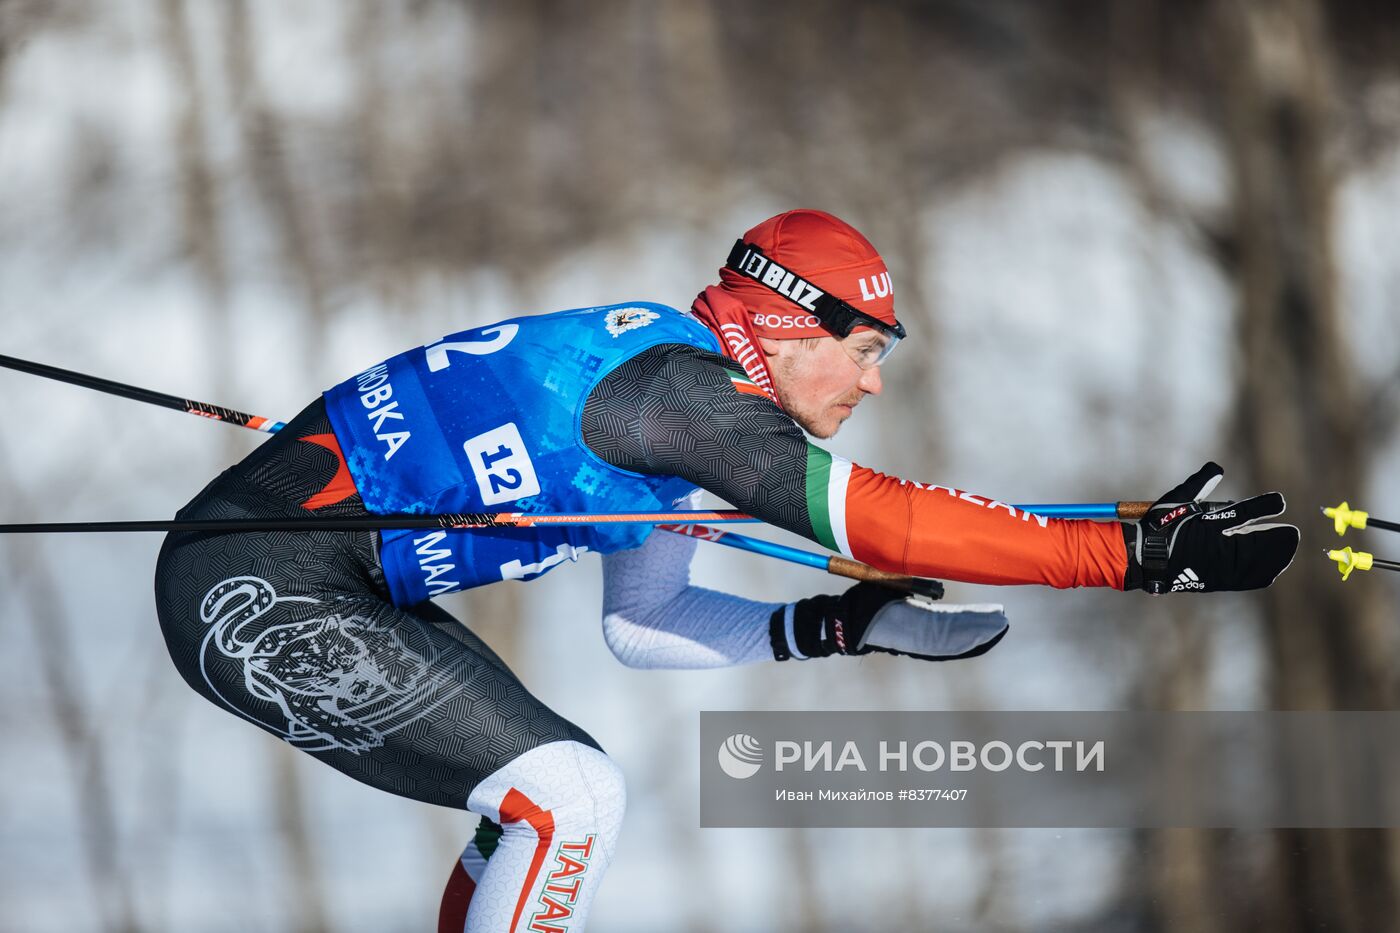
(936, 531)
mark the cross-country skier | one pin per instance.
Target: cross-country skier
(330, 642)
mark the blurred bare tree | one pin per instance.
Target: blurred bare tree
(1296, 397)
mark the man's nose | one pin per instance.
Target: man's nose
(870, 381)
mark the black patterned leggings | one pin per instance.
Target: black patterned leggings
(295, 633)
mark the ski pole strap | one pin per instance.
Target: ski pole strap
(1155, 551)
(1156, 531)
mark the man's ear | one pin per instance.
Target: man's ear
(768, 345)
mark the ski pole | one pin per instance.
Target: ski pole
(447, 521)
(1106, 511)
(840, 566)
(676, 522)
(831, 563)
(189, 407)
(1344, 516)
(1349, 560)
(1131, 511)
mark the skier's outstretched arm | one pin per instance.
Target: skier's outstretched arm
(683, 411)
(654, 618)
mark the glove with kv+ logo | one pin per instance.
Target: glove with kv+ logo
(1179, 546)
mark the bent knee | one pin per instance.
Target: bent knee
(575, 788)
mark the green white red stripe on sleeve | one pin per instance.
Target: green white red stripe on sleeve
(945, 533)
(828, 477)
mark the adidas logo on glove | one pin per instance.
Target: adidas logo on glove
(1187, 580)
(1235, 544)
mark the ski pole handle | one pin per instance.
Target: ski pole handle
(833, 564)
(1134, 511)
(855, 570)
(1097, 511)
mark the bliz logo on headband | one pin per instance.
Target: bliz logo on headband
(785, 283)
(836, 316)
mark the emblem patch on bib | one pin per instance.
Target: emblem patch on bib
(621, 320)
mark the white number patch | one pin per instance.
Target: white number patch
(498, 338)
(502, 465)
(517, 570)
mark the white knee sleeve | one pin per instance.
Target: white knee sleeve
(560, 808)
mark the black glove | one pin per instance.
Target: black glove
(869, 617)
(1180, 547)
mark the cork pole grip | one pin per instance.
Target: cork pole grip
(1134, 511)
(855, 570)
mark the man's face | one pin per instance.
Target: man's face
(818, 385)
